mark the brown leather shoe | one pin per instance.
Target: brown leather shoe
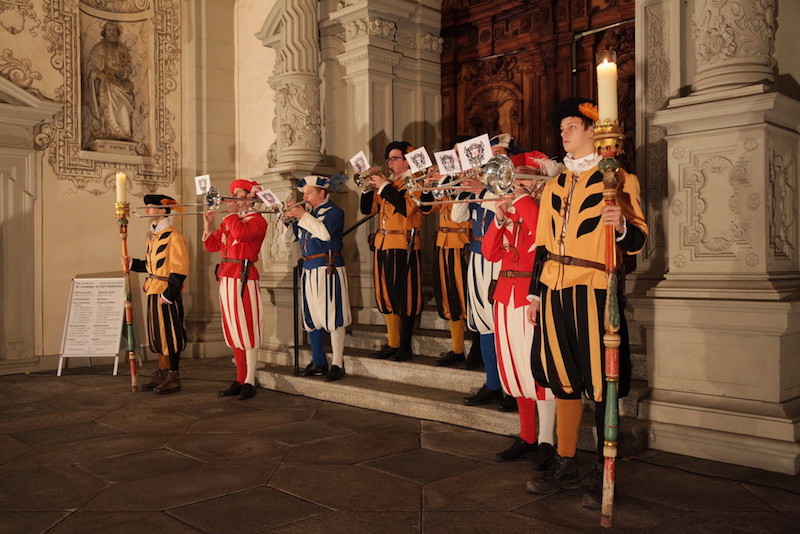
(158, 378)
(171, 385)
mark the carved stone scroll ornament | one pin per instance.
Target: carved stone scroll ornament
(734, 43)
(155, 163)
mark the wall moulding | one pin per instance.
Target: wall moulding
(150, 31)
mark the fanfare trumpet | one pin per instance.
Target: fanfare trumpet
(362, 179)
(498, 176)
(212, 202)
(282, 215)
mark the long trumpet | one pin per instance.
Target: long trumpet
(362, 179)
(499, 176)
(212, 202)
(285, 219)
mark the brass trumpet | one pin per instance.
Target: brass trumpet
(362, 179)
(285, 219)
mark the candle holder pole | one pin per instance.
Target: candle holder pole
(122, 210)
(608, 140)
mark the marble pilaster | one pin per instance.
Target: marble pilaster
(723, 325)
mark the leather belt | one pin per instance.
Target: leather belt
(156, 277)
(569, 260)
(516, 274)
(385, 232)
(477, 238)
(231, 260)
(320, 255)
(447, 230)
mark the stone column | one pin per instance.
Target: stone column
(734, 43)
(390, 53)
(291, 29)
(722, 327)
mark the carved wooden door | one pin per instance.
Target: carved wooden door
(507, 63)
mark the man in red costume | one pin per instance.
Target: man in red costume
(239, 238)
(510, 239)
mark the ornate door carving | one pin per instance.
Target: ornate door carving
(506, 63)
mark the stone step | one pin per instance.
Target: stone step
(422, 371)
(430, 403)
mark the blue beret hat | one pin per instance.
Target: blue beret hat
(317, 181)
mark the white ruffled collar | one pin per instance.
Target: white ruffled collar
(578, 165)
(162, 225)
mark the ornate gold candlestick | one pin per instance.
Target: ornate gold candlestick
(122, 210)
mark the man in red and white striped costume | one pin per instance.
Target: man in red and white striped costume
(510, 239)
(239, 238)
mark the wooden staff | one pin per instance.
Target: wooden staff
(122, 210)
(608, 140)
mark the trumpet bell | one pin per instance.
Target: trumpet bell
(498, 174)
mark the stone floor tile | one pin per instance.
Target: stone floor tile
(345, 487)
(685, 491)
(252, 510)
(220, 449)
(424, 466)
(728, 522)
(64, 434)
(470, 443)
(92, 449)
(304, 432)
(150, 420)
(90, 399)
(700, 466)
(271, 400)
(355, 523)
(11, 448)
(363, 420)
(778, 480)
(352, 448)
(46, 418)
(500, 486)
(121, 523)
(250, 421)
(779, 499)
(49, 488)
(629, 514)
(485, 521)
(214, 408)
(29, 522)
(181, 488)
(139, 465)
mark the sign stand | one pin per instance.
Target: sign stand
(93, 327)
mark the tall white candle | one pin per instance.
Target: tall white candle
(121, 193)
(607, 90)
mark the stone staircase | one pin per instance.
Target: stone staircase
(418, 388)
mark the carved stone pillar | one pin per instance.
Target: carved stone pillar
(722, 327)
(390, 53)
(734, 43)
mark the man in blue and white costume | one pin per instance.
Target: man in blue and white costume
(480, 275)
(326, 306)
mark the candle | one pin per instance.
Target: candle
(607, 86)
(121, 193)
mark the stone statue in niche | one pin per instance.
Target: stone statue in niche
(110, 90)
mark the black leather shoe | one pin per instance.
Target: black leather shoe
(483, 396)
(334, 374)
(593, 495)
(517, 451)
(402, 355)
(543, 457)
(563, 475)
(451, 358)
(232, 390)
(385, 353)
(248, 392)
(313, 369)
(508, 404)
(474, 358)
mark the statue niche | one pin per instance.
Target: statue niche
(109, 94)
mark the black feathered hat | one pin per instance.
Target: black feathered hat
(162, 201)
(403, 146)
(583, 108)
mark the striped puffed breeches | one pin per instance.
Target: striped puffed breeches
(241, 314)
